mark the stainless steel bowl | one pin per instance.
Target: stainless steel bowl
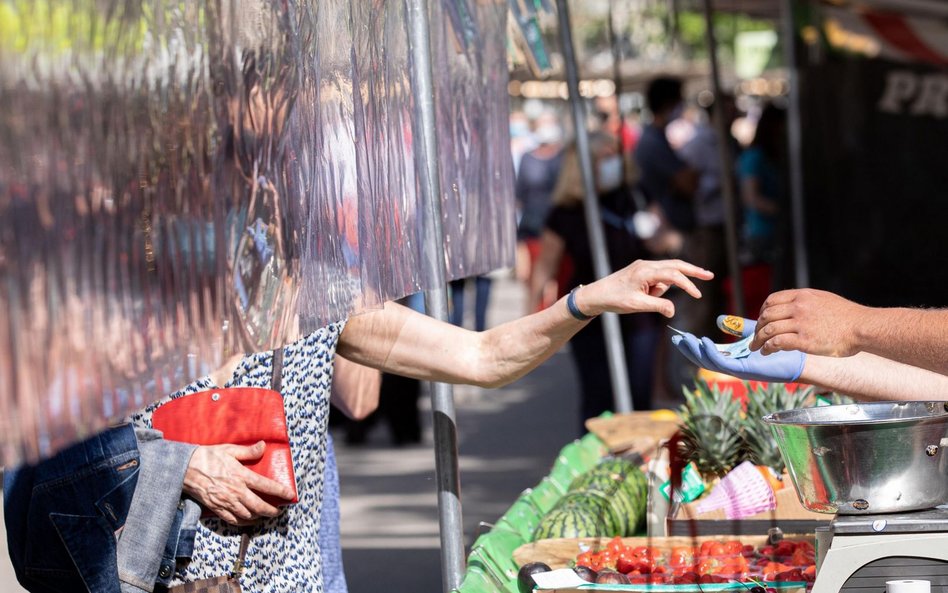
(883, 457)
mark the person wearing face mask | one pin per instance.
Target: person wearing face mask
(565, 234)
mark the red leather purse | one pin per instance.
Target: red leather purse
(238, 416)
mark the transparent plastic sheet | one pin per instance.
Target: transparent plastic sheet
(182, 181)
(470, 74)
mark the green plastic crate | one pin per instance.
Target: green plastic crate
(522, 518)
(478, 580)
(593, 445)
(545, 495)
(495, 550)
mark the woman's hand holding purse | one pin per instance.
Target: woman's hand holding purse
(218, 480)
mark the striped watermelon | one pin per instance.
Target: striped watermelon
(625, 487)
(571, 521)
(598, 505)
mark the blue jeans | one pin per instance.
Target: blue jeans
(481, 298)
(63, 514)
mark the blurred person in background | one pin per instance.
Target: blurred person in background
(705, 244)
(671, 185)
(666, 179)
(536, 179)
(565, 234)
(763, 190)
(396, 401)
(521, 137)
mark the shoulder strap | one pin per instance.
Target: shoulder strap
(276, 380)
(244, 544)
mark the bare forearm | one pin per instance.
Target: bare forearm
(869, 377)
(512, 350)
(917, 337)
(423, 348)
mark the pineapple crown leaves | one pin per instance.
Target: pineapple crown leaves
(711, 429)
(759, 444)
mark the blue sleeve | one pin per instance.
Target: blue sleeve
(751, 164)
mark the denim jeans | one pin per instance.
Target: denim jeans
(64, 513)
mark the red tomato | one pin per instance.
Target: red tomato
(681, 556)
(625, 565)
(733, 547)
(717, 549)
(706, 548)
(584, 559)
(615, 545)
(709, 565)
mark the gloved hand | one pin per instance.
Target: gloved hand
(780, 367)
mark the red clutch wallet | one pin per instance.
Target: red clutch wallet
(238, 416)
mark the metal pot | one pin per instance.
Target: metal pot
(883, 457)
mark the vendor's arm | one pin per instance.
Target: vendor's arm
(403, 342)
(863, 376)
(355, 388)
(820, 322)
(869, 377)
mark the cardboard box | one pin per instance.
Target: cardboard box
(790, 516)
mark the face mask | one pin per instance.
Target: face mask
(610, 173)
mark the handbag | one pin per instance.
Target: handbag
(229, 583)
(239, 416)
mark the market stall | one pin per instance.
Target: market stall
(610, 499)
(738, 517)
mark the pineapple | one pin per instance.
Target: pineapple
(711, 429)
(760, 446)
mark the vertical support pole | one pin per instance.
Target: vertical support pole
(436, 300)
(615, 350)
(727, 165)
(795, 140)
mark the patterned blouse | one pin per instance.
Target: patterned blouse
(284, 554)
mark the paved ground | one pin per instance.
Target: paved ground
(507, 440)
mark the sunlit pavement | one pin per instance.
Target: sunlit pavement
(507, 439)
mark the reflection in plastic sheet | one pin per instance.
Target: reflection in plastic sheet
(185, 180)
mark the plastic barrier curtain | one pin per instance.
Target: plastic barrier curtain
(185, 180)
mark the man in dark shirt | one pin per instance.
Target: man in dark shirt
(666, 179)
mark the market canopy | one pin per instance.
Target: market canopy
(180, 181)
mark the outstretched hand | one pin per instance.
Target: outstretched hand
(639, 288)
(218, 480)
(781, 367)
(812, 321)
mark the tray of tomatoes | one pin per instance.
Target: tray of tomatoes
(711, 562)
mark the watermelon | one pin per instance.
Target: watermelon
(617, 465)
(598, 505)
(571, 521)
(625, 487)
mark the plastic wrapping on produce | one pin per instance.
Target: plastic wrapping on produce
(181, 181)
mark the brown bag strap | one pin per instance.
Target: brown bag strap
(244, 544)
(276, 380)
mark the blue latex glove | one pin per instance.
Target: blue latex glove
(780, 367)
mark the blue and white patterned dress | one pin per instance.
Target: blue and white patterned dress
(284, 554)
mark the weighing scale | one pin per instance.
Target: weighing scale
(859, 553)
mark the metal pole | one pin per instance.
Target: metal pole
(795, 140)
(615, 351)
(436, 300)
(727, 164)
